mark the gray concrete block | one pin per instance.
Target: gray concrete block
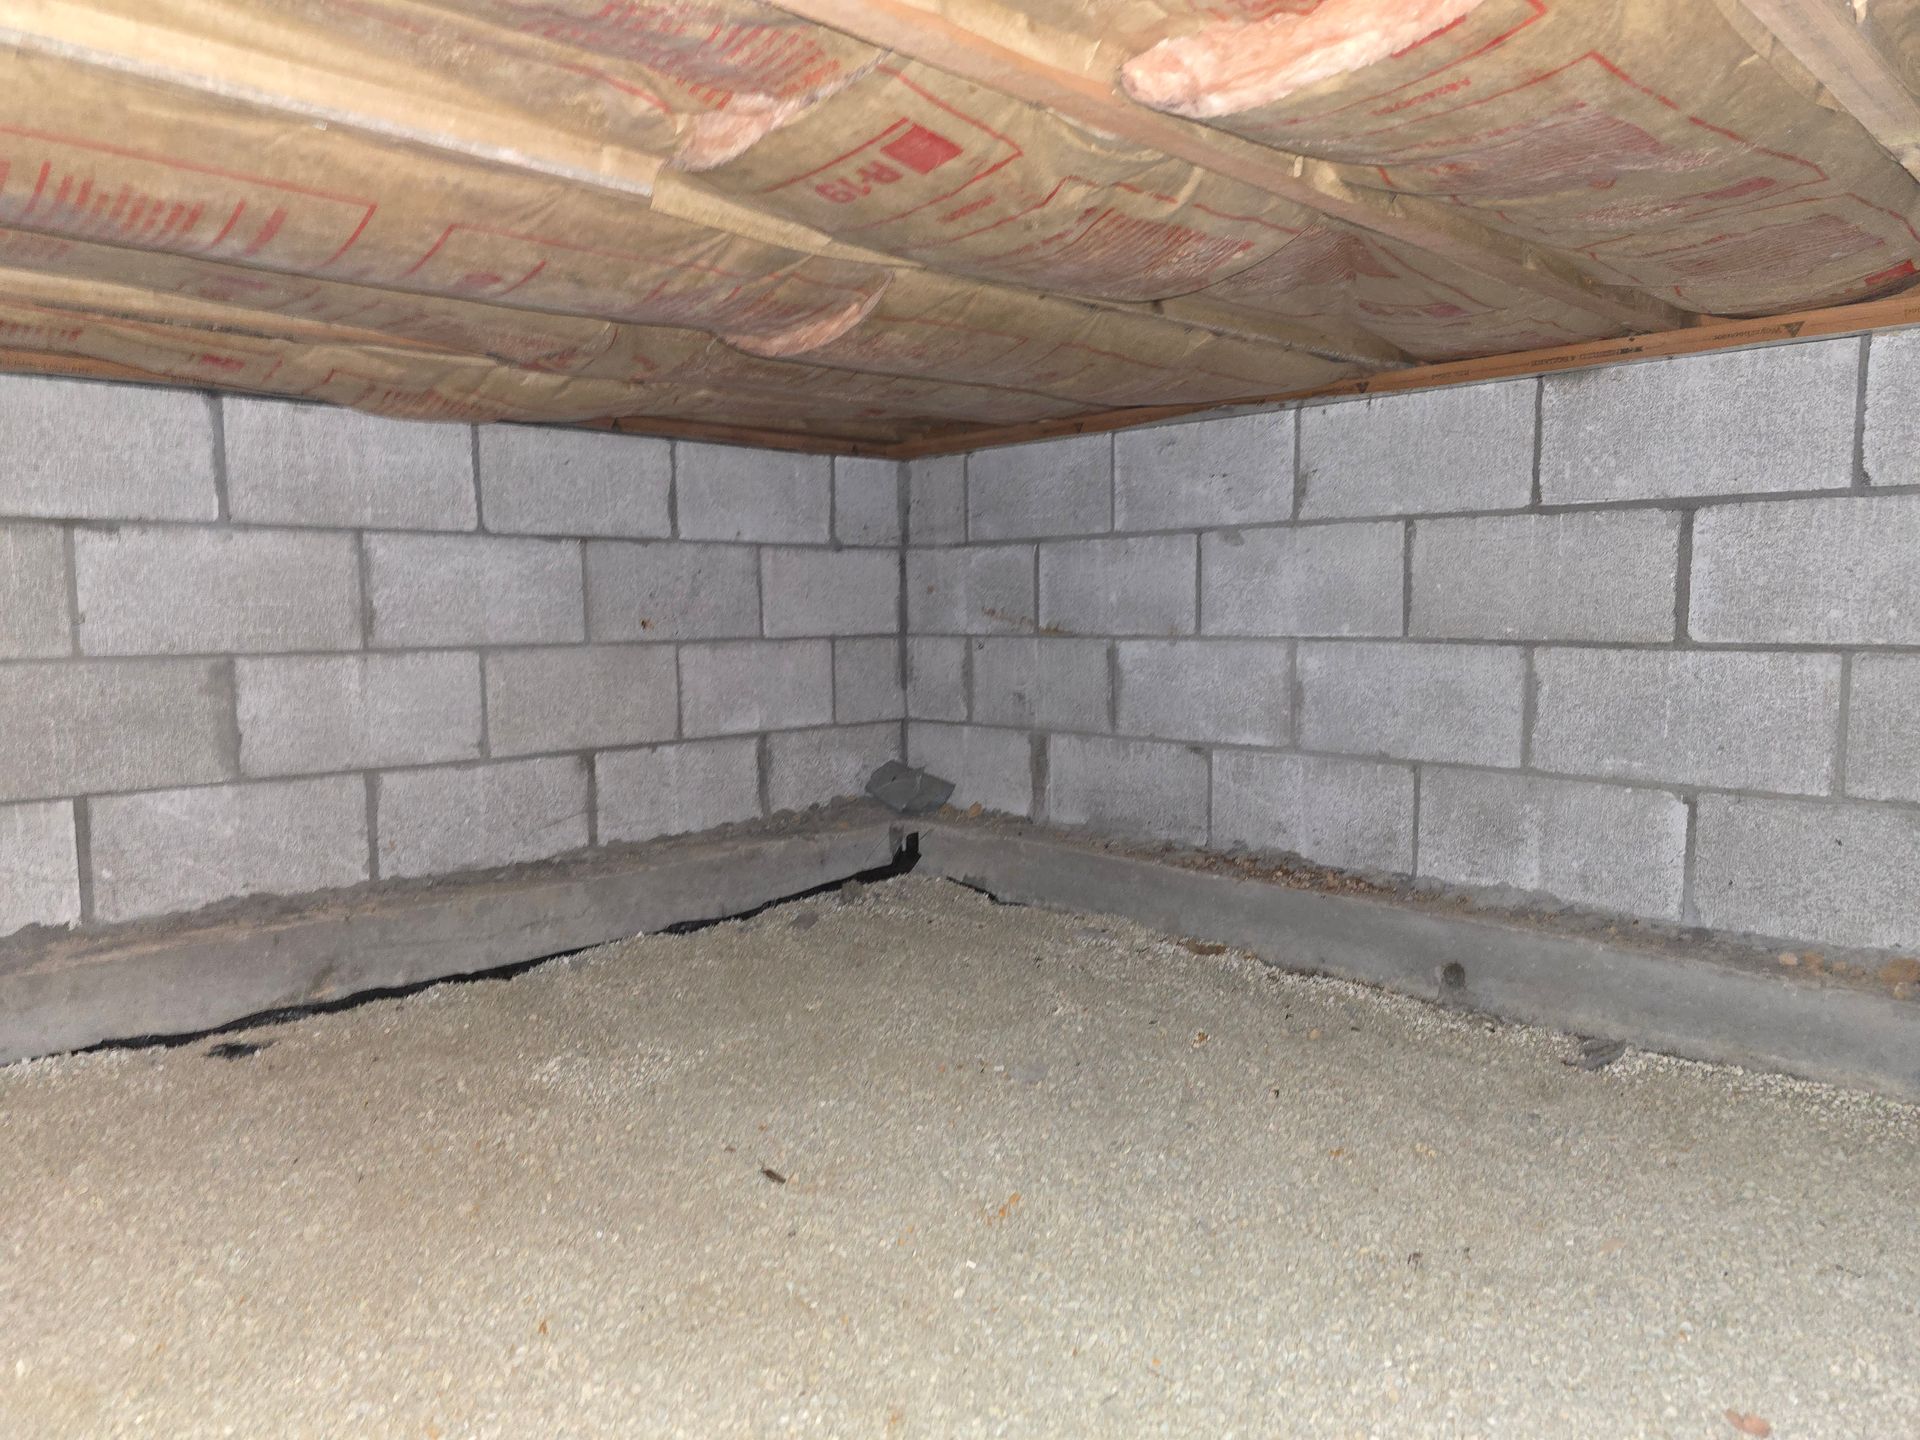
(1052, 487)
(986, 590)
(730, 493)
(735, 687)
(474, 590)
(1892, 440)
(830, 592)
(866, 681)
(673, 591)
(1883, 740)
(1746, 721)
(989, 768)
(1351, 814)
(172, 590)
(1232, 471)
(33, 593)
(866, 501)
(291, 464)
(1835, 571)
(676, 789)
(580, 697)
(1739, 422)
(105, 452)
(936, 677)
(1462, 448)
(39, 868)
(1316, 580)
(1833, 874)
(1232, 692)
(82, 727)
(1128, 787)
(1041, 683)
(811, 767)
(1606, 575)
(542, 480)
(937, 500)
(472, 817)
(170, 850)
(1412, 702)
(307, 714)
(1143, 585)
(1601, 845)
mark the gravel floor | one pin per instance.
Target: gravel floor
(915, 1164)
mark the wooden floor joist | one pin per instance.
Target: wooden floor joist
(918, 28)
(1822, 36)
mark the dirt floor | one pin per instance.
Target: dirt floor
(909, 1163)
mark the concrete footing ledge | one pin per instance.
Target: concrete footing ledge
(1684, 993)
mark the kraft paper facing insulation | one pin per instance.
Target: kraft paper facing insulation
(718, 212)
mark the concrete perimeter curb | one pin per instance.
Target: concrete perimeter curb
(1654, 998)
(182, 977)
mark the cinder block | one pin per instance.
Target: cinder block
(584, 697)
(1352, 814)
(831, 592)
(474, 590)
(989, 768)
(306, 714)
(1834, 874)
(1232, 692)
(290, 464)
(977, 591)
(866, 501)
(739, 686)
(866, 681)
(1892, 440)
(1463, 448)
(1314, 580)
(937, 500)
(811, 767)
(676, 789)
(1128, 787)
(105, 452)
(1739, 422)
(1052, 487)
(33, 593)
(1605, 575)
(1143, 585)
(1883, 740)
(730, 493)
(39, 869)
(170, 850)
(1045, 684)
(540, 480)
(1412, 702)
(672, 591)
(1747, 721)
(1835, 571)
(936, 678)
(1233, 471)
(473, 817)
(178, 591)
(82, 727)
(1601, 845)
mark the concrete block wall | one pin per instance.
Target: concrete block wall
(1644, 638)
(249, 646)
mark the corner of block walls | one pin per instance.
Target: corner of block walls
(1644, 638)
(254, 646)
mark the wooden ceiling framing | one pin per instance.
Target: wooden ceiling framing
(634, 214)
